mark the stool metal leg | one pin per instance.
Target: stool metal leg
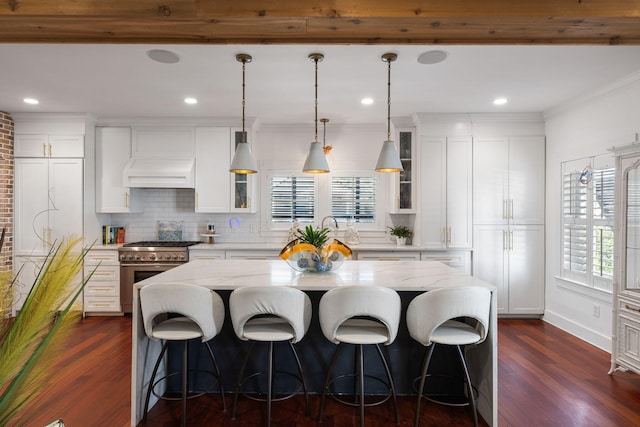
(472, 400)
(239, 380)
(215, 366)
(360, 359)
(423, 377)
(185, 376)
(152, 380)
(327, 379)
(391, 385)
(304, 383)
(269, 382)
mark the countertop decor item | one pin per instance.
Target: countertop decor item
(312, 251)
(401, 233)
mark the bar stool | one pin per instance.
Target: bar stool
(445, 316)
(360, 315)
(269, 314)
(200, 315)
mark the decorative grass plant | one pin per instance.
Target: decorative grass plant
(29, 342)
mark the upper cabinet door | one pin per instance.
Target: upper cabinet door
(113, 150)
(458, 231)
(213, 179)
(38, 145)
(490, 175)
(526, 180)
(433, 189)
(65, 198)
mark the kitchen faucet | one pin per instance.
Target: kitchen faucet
(335, 221)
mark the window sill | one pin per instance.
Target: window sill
(581, 288)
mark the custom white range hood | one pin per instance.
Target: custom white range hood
(159, 173)
(161, 157)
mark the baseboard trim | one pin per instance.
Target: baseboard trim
(596, 339)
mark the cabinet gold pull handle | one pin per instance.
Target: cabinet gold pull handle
(126, 200)
(49, 150)
(100, 289)
(389, 259)
(443, 259)
(511, 209)
(44, 150)
(628, 307)
(449, 235)
(443, 235)
(98, 304)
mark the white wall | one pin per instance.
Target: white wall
(586, 127)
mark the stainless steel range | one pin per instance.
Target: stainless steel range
(141, 260)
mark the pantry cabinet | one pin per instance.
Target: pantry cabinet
(446, 192)
(113, 151)
(48, 203)
(508, 217)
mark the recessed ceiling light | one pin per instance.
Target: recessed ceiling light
(163, 56)
(432, 57)
(190, 101)
(366, 101)
(31, 101)
(499, 101)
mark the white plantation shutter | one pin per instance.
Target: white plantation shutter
(587, 225)
(293, 197)
(353, 197)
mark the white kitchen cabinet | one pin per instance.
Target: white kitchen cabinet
(388, 256)
(213, 179)
(25, 271)
(252, 254)
(40, 145)
(508, 180)
(113, 151)
(48, 203)
(460, 260)
(512, 259)
(102, 291)
(205, 254)
(402, 197)
(446, 192)
(243, 187)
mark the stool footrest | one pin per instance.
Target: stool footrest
(380, 399)
(252, 396)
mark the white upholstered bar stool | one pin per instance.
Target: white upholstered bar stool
(270, 314)
(360, 315)
(456, 316)
(181, 312)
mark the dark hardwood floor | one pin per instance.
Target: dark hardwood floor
(546, 378)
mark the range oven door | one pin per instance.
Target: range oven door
(134, 273)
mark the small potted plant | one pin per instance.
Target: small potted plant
(401, 233)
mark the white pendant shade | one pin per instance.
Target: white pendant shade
(243, 162)
(316, 160)
(389, 160)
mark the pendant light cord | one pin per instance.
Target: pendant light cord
(244, 135)
(316, 98)
(389, 101)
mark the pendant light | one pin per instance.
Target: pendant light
(389, 160)
(243, 162)
(316, 160)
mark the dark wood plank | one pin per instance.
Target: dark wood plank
(546, 378)
(322, 21)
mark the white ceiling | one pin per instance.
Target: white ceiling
(121, 80)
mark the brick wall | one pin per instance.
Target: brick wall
(6, 189)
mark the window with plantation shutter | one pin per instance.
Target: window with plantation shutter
(587, 221)
(293, 198)
(353, 197)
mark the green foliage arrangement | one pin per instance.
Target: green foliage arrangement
(314, 236)
(29, 342)
(401, 231)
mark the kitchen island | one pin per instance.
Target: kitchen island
(409, 278)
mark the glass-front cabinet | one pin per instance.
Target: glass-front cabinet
(625, 354)
(403, 184)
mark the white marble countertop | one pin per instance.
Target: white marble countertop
(248, 246)
(398, 275)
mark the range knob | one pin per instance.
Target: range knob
(152, 257)
(181, 257)
(129, 257)
(136, 257)
(123, 257)
(174, 257)
(167, 257)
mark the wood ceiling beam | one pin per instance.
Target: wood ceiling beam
(322, 21)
